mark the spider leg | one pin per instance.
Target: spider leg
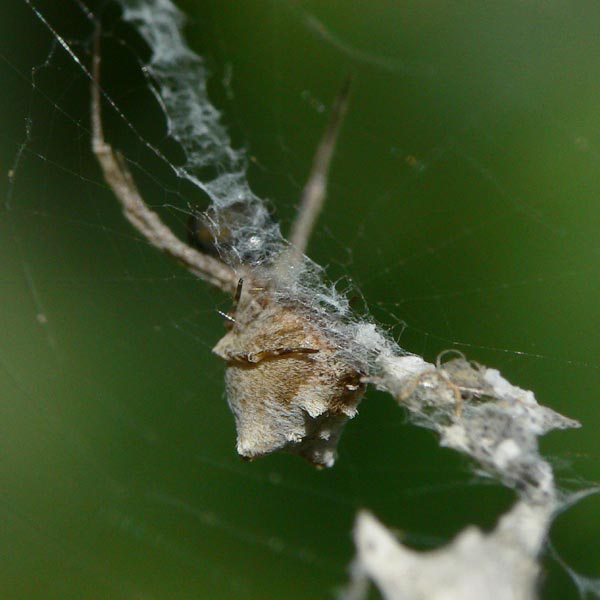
(147, 222)
(315, 190)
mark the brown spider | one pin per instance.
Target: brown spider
(287, 384)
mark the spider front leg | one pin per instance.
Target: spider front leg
(138, 213)
(315, 190)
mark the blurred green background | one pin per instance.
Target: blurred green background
(463, 208)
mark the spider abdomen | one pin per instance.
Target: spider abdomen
(287, 386)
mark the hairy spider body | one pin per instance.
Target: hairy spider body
(287, 385)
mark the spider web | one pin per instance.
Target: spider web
(461, 210)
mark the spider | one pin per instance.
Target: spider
(287, 384)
